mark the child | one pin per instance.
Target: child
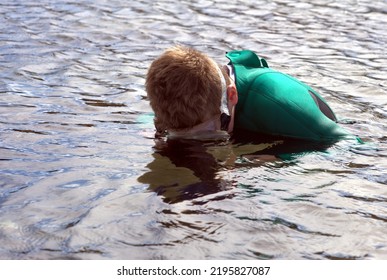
(192, 96)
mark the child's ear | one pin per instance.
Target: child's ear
(232, 100)
(232, 95)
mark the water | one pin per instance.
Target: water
(82, 178)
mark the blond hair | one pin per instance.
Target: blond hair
(184, 88)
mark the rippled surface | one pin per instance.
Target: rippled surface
(80, 175)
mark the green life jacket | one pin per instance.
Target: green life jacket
(274, 103)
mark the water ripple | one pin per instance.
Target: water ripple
(81, 177)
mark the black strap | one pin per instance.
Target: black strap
(224, 121)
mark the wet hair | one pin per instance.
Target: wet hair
(184, 88)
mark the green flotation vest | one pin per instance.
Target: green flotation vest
(274, 103)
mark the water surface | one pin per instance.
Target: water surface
(81, 176)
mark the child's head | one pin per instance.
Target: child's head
(184, 88)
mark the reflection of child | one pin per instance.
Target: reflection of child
(192, 96)
(199, 171)
(177, 177)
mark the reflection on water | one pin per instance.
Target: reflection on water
(81, 176)
(183, 170)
